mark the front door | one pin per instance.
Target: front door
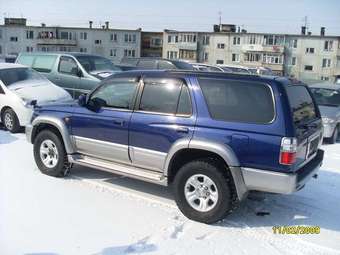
(104, 133)
(164, 115)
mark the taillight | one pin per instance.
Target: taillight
(288, 151)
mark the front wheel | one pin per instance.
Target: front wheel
(50, 154)
(203, 191)
(10, 121)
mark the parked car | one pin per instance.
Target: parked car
(77, 73)
(327, 96)
(198, 131)
(210, 68)
(153, 64)
(236, 69)
(19, 86)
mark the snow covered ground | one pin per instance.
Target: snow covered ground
(93, 212)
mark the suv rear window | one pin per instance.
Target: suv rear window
(301, 104)
(238, 101)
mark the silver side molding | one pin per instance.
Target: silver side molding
(121, 169)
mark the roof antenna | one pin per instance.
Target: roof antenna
(220, 18)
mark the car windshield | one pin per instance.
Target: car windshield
(24, 76)
(94, 63)
(326, 97)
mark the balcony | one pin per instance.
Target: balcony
(263, 48)
(54, 41)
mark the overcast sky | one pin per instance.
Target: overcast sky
(281, 16)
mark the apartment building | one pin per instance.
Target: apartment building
(305, 56)
(152, 44)
(16, 36)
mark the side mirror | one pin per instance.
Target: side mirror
(82, 100)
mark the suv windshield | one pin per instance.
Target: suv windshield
(326, 97)
(95, 63)
(301, 104)
(20, 77)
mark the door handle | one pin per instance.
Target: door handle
(182, 130)
(118, 122)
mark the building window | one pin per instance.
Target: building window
(324, 78)
(169, 38)
(187, 54)
(98, 42)
(220, 46)
(29, 34)
(129, 53)
(13, 39)
(308, 68)
(66, 35)
(252, 57)
(326, 62)
(113, 52)
(206, 56)
(206, 40)
(235, 57)
(273, 40)
(130, 38)
(83, 36)
(328, 46)
(29, 49)
(293, 61)
(172, 54)
(219, 62)
(156, 42)
(83, 49)
(114, 37)
(252, 39)
(272, 59)
(310, 50)
(237, 40)
(0, 49)
(294, 43)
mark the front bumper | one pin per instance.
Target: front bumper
(283, 183)
(28, 131)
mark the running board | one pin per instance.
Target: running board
(116, 168)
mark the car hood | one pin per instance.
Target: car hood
(329, 111)
(103, 74)
(44, 92)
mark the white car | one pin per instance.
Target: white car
(19, 87)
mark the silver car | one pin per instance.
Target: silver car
(327, 96)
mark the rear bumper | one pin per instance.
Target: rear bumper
(269, 181)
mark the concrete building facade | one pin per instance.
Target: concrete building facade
(290, 55)
(152, 44)
(111, 43)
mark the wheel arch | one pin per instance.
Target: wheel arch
(56, 125)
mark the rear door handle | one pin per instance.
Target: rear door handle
(182, 130)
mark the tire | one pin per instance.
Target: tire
(223, 193)
(10, 121)
(335, 136)
(48, 146)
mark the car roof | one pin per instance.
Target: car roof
(74, 54)
(10, 65)
(326, 85)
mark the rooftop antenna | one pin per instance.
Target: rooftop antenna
(220, 18)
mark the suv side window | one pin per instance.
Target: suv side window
(116, 94)
(238, 101)
(44, 63)
(167, 98)
(67, 65)
(165, 65)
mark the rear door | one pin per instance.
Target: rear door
(164, 115)
(307, 122)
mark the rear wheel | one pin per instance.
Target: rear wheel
(10, 121)
(50, 155)
(203, 191)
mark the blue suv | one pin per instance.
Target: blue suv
(212, 136)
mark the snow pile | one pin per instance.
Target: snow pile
(93, 212)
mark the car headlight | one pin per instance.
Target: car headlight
(327, 120)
